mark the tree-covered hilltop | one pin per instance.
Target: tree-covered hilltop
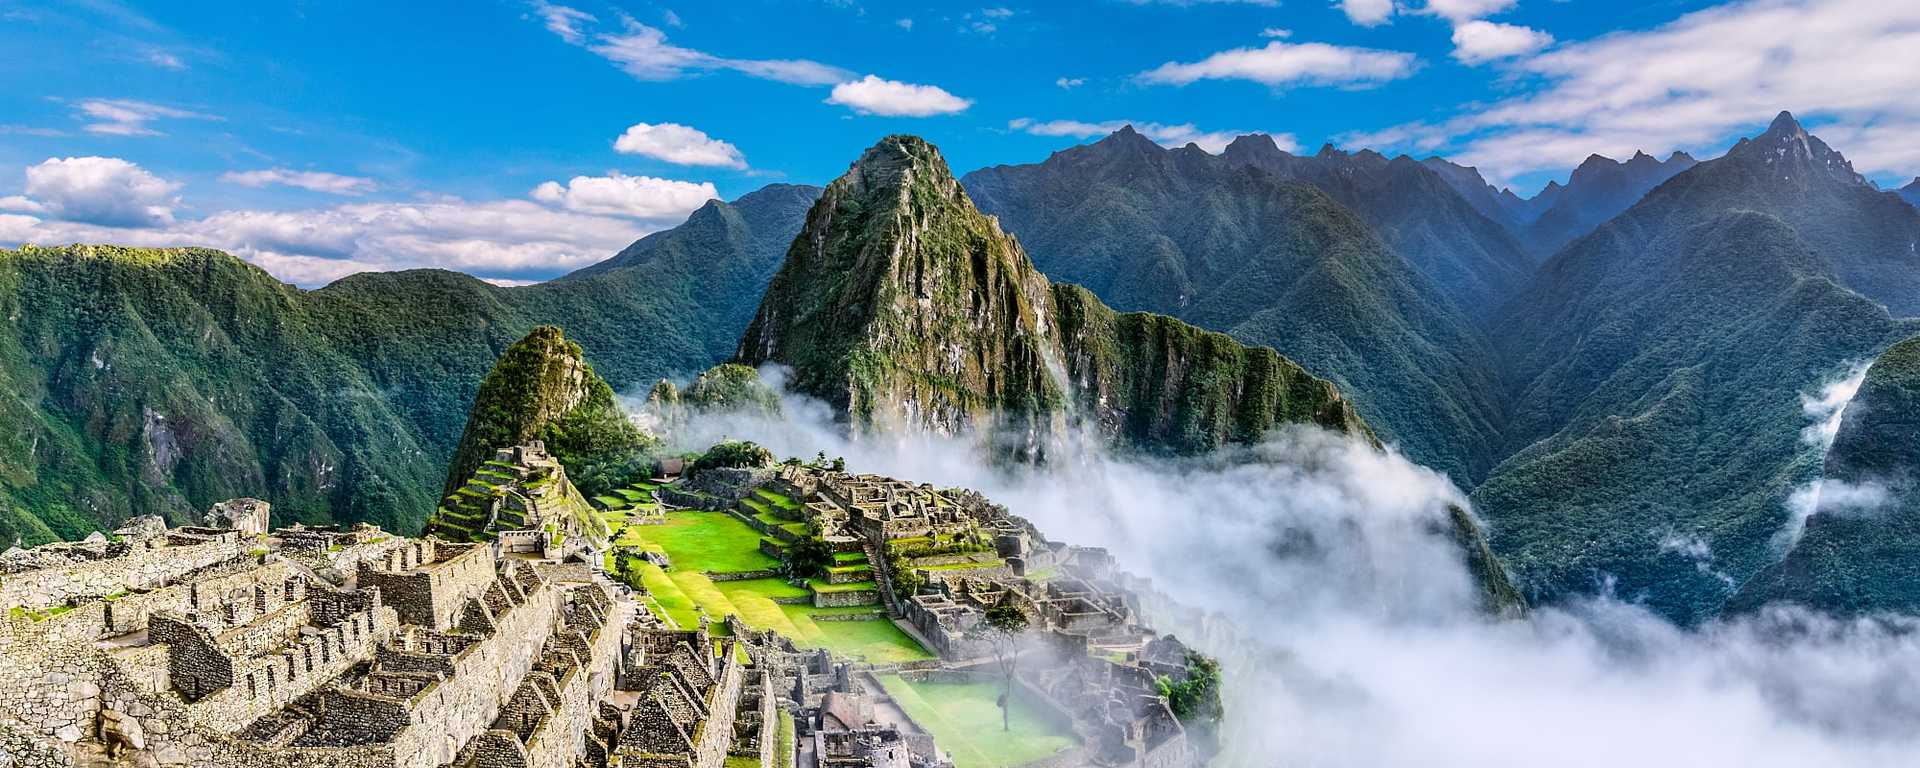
(542, 388)
(158, 381)
(1655, 369)
(1862, 555)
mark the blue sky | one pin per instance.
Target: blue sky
(320, 138)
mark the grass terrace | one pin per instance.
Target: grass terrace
(708, 542)
(965, 720)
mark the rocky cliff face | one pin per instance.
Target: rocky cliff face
(904, 307)
(543, 389)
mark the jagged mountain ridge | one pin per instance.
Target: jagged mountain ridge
(904, 307)
(1911, 192)
(1273, 262)
(1598, 190)
(1656, 367)
(1499, 205)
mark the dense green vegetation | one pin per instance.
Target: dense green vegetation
(1856, 559)
(733, 454)
(158, 381)
(900, 305)
(542, 388)
(1656, 368)
(1248, 244)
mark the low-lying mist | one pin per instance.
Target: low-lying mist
(1317, 570)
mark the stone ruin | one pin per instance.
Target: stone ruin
(522, 499)
(307, 646)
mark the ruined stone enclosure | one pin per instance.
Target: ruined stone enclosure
(557, 634)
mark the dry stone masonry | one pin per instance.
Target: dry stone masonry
(234, 644)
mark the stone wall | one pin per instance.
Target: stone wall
(563, 737)
(716, 734)
(446, 714)
(142, 567)
(429, 584)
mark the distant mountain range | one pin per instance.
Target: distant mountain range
(1624, 407)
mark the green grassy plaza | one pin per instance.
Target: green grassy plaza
(703, 543)
(965, 720)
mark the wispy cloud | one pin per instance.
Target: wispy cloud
(1694, 82)
(1280, 65)
(127, 117)
(562, 20)
(643, 52)
(315, 181)
(1070, 83)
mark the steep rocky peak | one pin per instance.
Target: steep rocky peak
(1794, 153)
(1329, 152)
(1253, 149)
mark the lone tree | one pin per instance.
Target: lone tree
(1004, 625)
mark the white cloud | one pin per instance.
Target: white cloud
(165, 60)
(872, 95)
(1070, 83)
(562, 20)
(906, 24)
(1475, 42)
(1326, 583)
(106, 200)
(98, 190)
(127, 117)
(640, 197)
(672, 19)
(1459, 11)
(502, 239)
(1178, 135)
(1276, 33)
(316, 181)
(644, 53)
(678, 144)
(1367, 13)
(1846, 67)
(1281, 64)
(997, 13)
